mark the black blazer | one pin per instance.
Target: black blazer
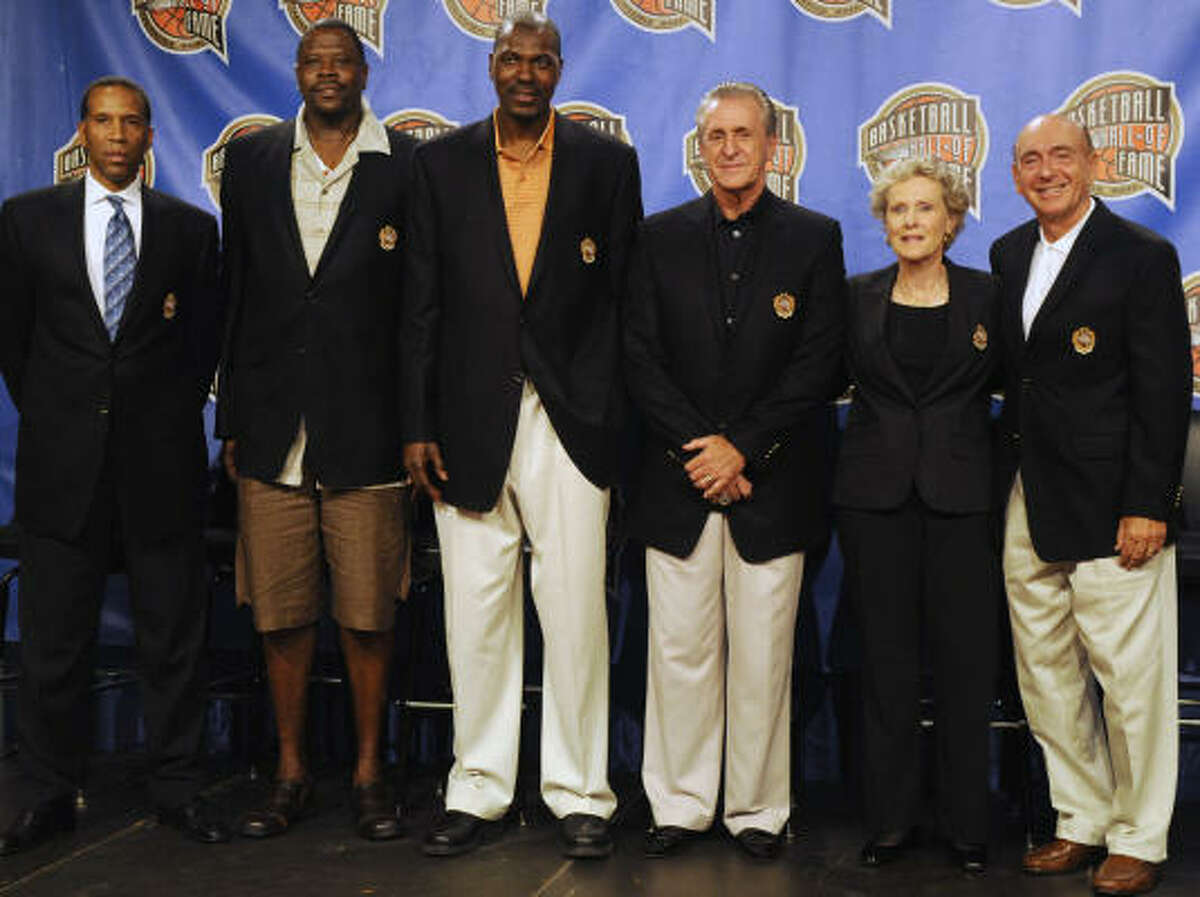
(1099, 396)
(765, 387)
(939, 442)
(133, 404)
(470, 338)
(324, 346)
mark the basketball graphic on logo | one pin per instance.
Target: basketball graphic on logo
(184, 26)
(322, 9)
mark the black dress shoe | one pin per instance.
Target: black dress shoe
(664, 840)
(585, 836)
(194, 820)
(884, 849)
(970, 858)
(759, 844)
(38, 823)
(375, 816)
(286, 803)
(458, 832)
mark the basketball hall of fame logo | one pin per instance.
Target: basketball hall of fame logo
(927, 120)
(1136, 125)
(420, 124)
(1191, 296)
(364, 16)
(783, 169)
(213, 160)
(184, 26)
(670, 15)
(71, 162)
(834, 10)
(479, 18)
(1076, 6)
(595, 116)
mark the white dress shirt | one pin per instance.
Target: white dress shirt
(1048, 259)
(97, 211)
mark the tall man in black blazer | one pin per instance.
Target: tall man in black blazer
(1098, 397)
(109, 328)
(733, 337)
(313, 210)
(520, 230)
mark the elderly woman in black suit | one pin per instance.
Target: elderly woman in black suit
(913, 494)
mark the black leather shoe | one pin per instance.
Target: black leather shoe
(194, 820)
(458, 832)
(286, 803)
(759, 844)
(664, 840)
(375, 816)
(970, 858)
(887, 848)
(585, 836)
(38, 823)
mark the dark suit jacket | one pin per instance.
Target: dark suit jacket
(324, 346)
(470, 338)
(765, 387)
(1097, 434)
(85, 401)
(938, 442)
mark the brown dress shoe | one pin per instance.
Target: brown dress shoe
(1060, 857)
(1121, 874)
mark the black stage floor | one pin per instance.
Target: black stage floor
(119, 851)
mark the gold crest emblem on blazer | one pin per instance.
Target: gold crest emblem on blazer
(388, 238)
(169, 306)
(587, 250)
(979, 338)
(1083, 340)
(785, 305)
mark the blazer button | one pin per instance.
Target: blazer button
(102, 408)
(517, 378)
(1026, 383)
(301, 350)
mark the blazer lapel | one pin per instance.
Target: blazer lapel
(1015, 280)
(73, 198)
(278, 203)
(490, 177)
(1077, 260)
(959, 331)
(362, 172)
(876, 301)
(149, 261)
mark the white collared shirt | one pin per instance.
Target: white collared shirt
(317, 194)
(1048, 260)
(318, 190)
(97, 211)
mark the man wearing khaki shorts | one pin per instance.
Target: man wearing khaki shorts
(309, 399)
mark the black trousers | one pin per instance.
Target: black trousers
(918, 576)
(61, 592)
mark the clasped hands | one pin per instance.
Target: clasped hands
(716, 469)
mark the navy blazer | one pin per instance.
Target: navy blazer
(325, 346)
(765, 387)
(938, 442)
(87, 404)
(1098, 397)
(470, 338)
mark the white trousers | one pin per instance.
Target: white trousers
(546, 498)
(720, 674)
(1112, 775)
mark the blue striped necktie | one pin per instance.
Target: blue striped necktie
(120, 259)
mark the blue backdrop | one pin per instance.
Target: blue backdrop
(859, 83)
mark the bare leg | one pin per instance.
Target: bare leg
(367, 655)
(289, 654)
